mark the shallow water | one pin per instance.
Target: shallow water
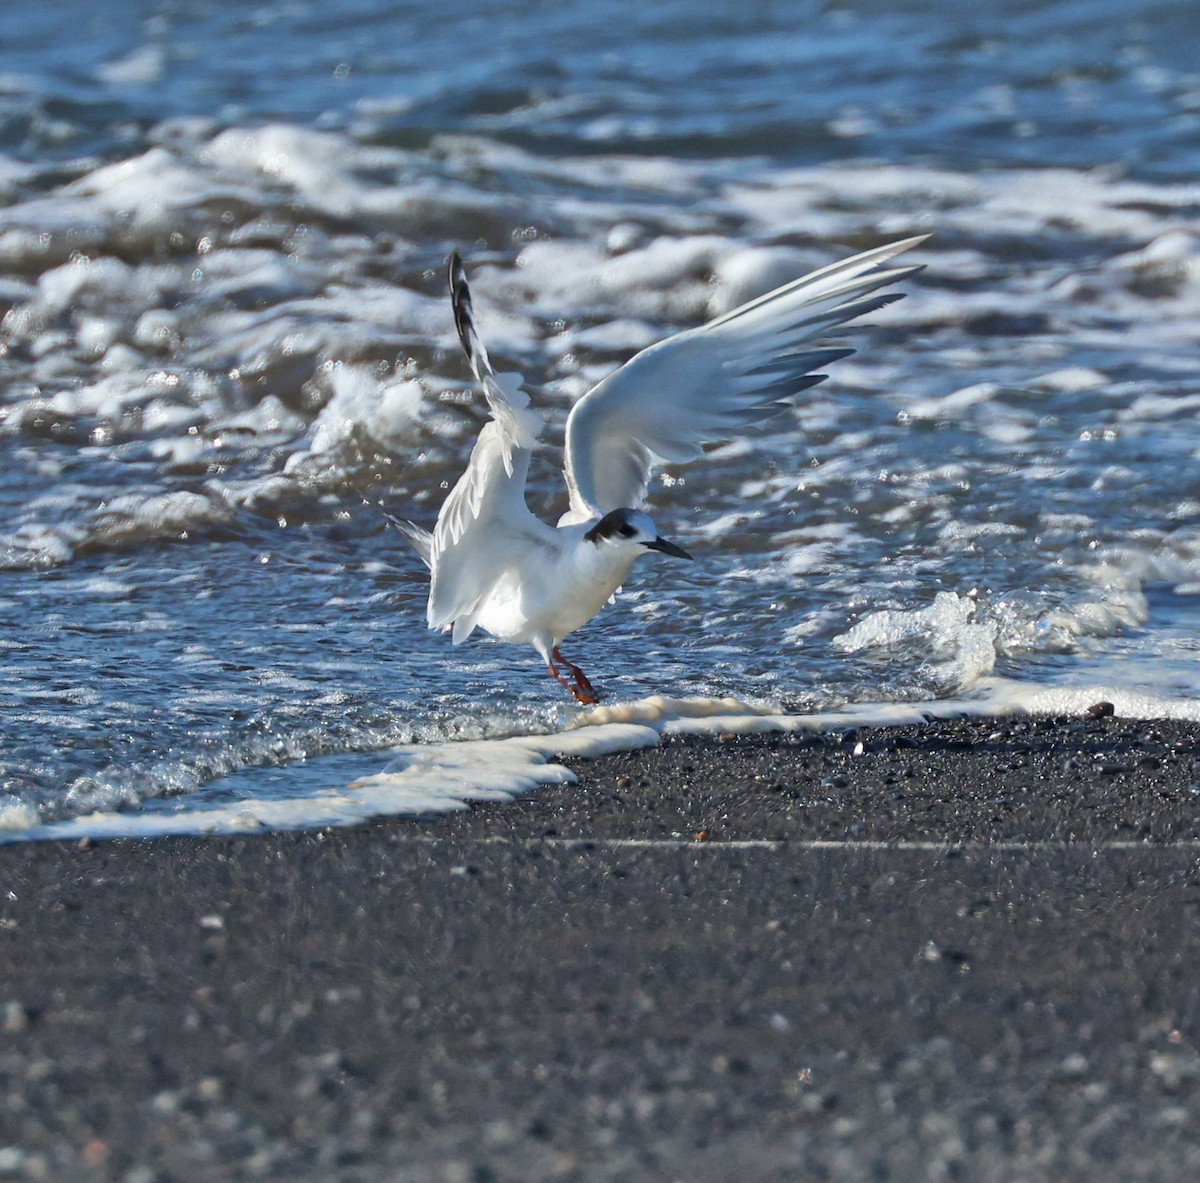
(222, 237)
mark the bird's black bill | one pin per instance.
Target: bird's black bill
(668, 548)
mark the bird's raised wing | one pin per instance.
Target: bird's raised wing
(520, 425)
(709, 383)
(484, 519)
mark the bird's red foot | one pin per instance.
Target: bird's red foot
(580, 686)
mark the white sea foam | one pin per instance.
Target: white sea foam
(430, 778)
(295, 322)
(441, 777)
(955, 650)
(17, 817)
(383, 410)
(141, 67)
(1006, 695)
(155, 515)
(1072, 380)
(32, 545)
(955, 404)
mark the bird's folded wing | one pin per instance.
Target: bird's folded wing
(710, 383)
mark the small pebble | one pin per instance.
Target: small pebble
(94, 1153)
(209, 1088)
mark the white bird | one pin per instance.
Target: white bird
(495, 566)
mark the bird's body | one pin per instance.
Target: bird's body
(555, 586)
(495, 566)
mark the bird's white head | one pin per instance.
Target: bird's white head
(632, 531)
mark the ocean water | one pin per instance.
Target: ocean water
(225, 338)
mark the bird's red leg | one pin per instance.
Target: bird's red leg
(583, 688)
(578, 691)
(552, 670)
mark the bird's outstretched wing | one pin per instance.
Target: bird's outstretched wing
(484, 520)
(520, 425)
(709, 383)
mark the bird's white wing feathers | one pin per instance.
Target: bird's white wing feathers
(520, 425)
(483, 526)
(483, 520)
(711, 382)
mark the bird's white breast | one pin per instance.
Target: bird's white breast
(552, 595)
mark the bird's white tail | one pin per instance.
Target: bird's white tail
(420, 540)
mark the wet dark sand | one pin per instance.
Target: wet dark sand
(516, 994)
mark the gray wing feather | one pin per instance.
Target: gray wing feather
(712, 382)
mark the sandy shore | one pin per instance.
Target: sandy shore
(968, 951)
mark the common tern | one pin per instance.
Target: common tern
(494, 565)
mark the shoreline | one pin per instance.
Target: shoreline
(967, 950)
(430, 778)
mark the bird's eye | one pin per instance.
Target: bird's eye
(627, 531)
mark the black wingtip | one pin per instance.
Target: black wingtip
(460, 301)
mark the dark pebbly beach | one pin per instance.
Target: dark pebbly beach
(962, 951)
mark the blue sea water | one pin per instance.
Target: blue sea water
(225, 335)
